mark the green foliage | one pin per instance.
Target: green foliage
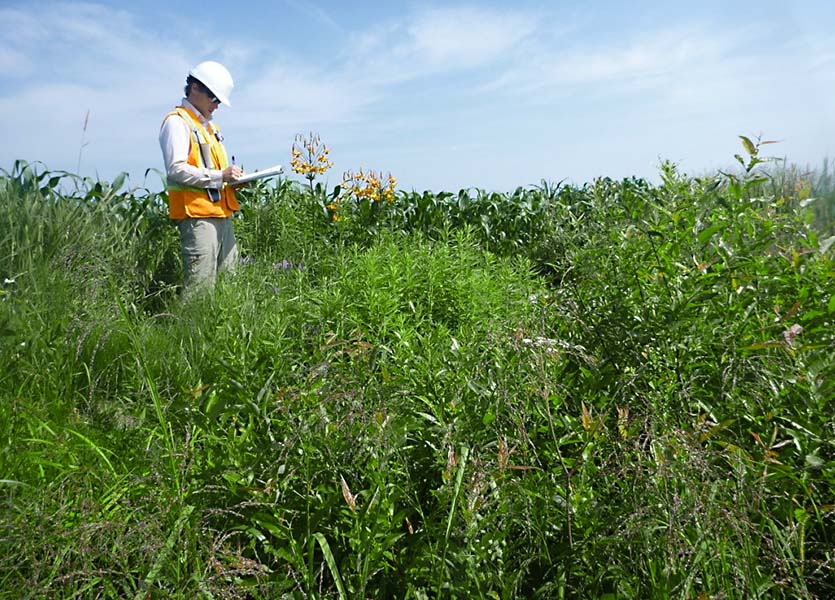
(618, 390)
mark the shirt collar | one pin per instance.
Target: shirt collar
(184, 102)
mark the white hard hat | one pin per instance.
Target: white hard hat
(215, 77)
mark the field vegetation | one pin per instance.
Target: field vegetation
(622, 389)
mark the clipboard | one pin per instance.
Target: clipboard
(255, 175)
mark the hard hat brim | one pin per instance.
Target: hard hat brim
(223, 99)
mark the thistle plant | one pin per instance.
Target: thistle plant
(310, 157)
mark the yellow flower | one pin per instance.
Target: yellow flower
(309, 156)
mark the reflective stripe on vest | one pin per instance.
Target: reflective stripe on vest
(205, 150)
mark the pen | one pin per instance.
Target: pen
(233, 159)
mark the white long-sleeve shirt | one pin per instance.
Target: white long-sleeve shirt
(174, 139)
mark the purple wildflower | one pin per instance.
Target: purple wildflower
(791, 333)
(285, 264)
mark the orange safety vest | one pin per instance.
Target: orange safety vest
(205, 150)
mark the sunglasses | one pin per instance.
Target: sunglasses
(208, 92)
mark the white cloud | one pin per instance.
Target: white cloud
(456, 38)
(289, 98)
(434, 41)
(310, 9)
(292, 92)
(407, 90)
(86, 56)
(14, 63)
(71, 58)
(293, 95)
(649, 59)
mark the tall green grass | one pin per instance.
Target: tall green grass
(618, 390)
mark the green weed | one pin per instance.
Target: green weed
(617, 390)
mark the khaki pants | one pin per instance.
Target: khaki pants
(208, 247)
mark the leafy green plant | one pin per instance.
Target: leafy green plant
(616, 390)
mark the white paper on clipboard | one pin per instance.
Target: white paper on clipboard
(271, 172)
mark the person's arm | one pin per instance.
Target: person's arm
(175, 138)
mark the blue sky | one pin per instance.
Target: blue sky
(444, 95)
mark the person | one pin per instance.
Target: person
(201, 200)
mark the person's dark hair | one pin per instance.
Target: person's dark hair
(189, 80)
(200, 86)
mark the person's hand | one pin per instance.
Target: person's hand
(232, 172)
